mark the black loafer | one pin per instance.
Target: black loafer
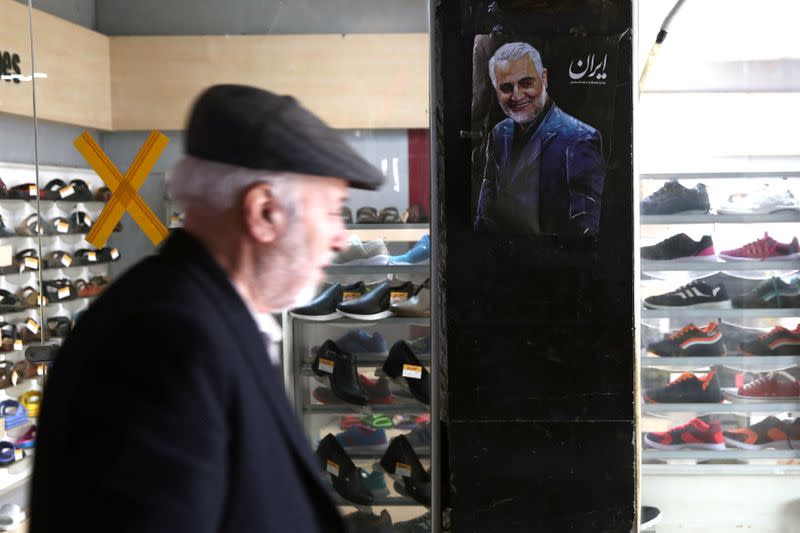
(346, 477)
(323, 307)
(375, 304)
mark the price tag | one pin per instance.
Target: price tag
(63, 292)
(332, 468)
(91, 257)
(32, 325)
(18, 455)
(87, 220)
(41, 300)
(32, 191)
(412, 371)
(402, 469)
(69, 190)
(326, 365)
(17, 345)
(31, 262)
(114, 254)
(397, 296)
(350, 295)
(62, 227)
(66, 260)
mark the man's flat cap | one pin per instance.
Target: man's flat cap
(254, 128)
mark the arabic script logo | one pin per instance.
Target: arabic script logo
(588, 69)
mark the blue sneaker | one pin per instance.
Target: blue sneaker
(363, 438)
(376, 483)
(419, 254)
(420, 346)
(358, 341)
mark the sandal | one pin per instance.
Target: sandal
(59, 290)
(26, 259)
(60, 225)
(26, 191)
(79, 222)
(58, 326)
(30, 297)
(367, 215)
(81, 191)
(9, 302)
(29, 331)
(57, 259)
(52, 191)
(10, 341)
(34, 225)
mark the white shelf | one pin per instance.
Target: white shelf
(719, 266)
(721, 175)
(390, 232)
(405, 407)
(716, 470)
(392, 320)
(732, 314)
(649, 454)
(772, 218)
(745, 363)
(345, 270)
(706, 408)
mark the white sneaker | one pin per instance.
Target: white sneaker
(765, 200)
(363, 253)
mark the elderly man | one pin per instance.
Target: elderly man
(163, 412)
(544, 170)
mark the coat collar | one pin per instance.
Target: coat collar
(187, 253)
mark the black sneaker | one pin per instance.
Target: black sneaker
(697, 294)
(674, 198)
(779, 341)
(691, 341)
(345, 476)
(773, 293)
(323, 307)
(368, 522)
(682, 247)
(650, 516)
(688, 388)
(735, 335)
(407, 372)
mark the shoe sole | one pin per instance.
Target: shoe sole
(778, 445)
(653, 263)
(376, 316)
(708, 305)
(376, 260)
(686, 446)
(766, 211)
(317, 318)
(400, 263)
(651, 523)
(735, 397)
(789, 257)
(399, 385)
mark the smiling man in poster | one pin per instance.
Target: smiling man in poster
(544, 168)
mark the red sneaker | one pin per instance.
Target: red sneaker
(695, 434)
(769, 433)
(772, 387)
(761, 249)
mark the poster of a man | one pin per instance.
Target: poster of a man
(544, 168)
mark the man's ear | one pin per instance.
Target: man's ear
(544, 78)
(262, 216)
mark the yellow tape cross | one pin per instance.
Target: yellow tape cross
(125, 195)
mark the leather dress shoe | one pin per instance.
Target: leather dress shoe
(323, 307)
(401, 462)
(375, 304)
(345, 476)
(368, 522)
(418, 490)
(397, 364)
(418, 305)
(341, 369)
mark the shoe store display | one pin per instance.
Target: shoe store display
(773, 387)
(763, 249)
(363, 438)
(697, 294)
(771, 432)
(323, 307)
(773, 293)
(734, 335)
(680, 247)
(419, 254)
(418, 490)
(367, 215)
(694, 435)
(401, 462)
(378, 392)
(649, 517)
(420, 524)
(347, 479)
(406, 371)
(374, 305)
(420, 437)
(778, 341)
(419, 305)
(341, 370)
(688, 388)
(363, 253)
(368, 522)
(673, 198)
(765, 200)
(691, 341)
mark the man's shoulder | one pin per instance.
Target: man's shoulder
(503, 128)
(568, 125)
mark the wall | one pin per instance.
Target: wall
(81, 12)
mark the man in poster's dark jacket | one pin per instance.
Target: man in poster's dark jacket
(544, 170)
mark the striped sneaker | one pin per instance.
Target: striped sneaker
(691, 341)
(769, 433)
(779, 341)
(697, 294)
(694, 435)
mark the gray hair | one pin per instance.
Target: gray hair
(196, 182)
(512, 51)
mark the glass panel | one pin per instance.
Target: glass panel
(719, 171)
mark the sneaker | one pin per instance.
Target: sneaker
(363, 253)
(694, 435)
(775, 386)
(323, 307)
(762, 249)
(688, 388)
(773, 293)
(765, 200)
(697, 294)
(369, 522)
(673, 198)
(376, 483)
(735, 335)
(650, 516)
(378, 392)
(779, 341)
(691, 341)
(419, 254)
(681, 247)
(769, 433)
(359, 342)
(421, 524)
(420, 437)
(363, 438)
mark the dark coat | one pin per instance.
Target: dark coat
(163, 413)
(558, 176)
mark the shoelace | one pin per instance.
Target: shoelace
(761, 248)
(666, 188)
(771, 283)
(683, 331)
(684, 426)
(681, 378)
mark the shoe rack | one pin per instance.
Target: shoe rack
(302, 337)
(709, 477)
(18, 273)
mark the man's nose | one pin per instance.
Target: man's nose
(517, 93)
